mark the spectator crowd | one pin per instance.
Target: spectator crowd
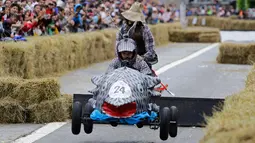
(221, 11)
(51, 17)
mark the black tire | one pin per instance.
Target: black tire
(173, 125)
(114, 124)
(164, 123)
(88, 123)
(76, 118)
(139, 125)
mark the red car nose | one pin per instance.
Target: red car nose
(123, 111)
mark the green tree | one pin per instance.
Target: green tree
(243, 4)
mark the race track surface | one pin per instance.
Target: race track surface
(237, 36)
(79, 81)
(198, 77)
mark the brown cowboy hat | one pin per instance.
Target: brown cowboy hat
(134, 13)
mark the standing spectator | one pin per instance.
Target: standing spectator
(154, 16)
(9, 24)
(2, 8)
(62, 19)
(13, 9)
(77, 21)
(166, 16)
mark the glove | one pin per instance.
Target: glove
(151, 60)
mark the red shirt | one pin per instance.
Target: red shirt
(49, 11)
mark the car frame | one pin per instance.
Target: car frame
(166, 121)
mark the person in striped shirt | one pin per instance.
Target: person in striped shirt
(141, 33)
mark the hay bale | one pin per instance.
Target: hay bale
(17, 59)
(69, 99)
(233, 17)
(229, 23)
(58, 54)
(209, 37)
(209, 21)
(11, 111)
(234, 53)
(176, 35)
(226, 59)
(8, 85)
(238, 115)
(109, 43)
(61, 53)
(30, 91)
(235, 123)
(56, 110)
(251, 59)
(161, 32)
(251, 78)
(241, 135)
(1, 62)
(192, 34)
(37, 90)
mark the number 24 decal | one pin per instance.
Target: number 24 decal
(119, 89)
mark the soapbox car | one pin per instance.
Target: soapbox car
(166, 120)
(126, 97)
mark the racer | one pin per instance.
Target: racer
(127, 56)
(141, 34)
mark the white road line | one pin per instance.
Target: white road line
(173, 64)
(49, 128)
(41, 132)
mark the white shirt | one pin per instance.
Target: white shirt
(103, 14)
(166, 16)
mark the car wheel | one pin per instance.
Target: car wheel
(88, 122)
(164, 123)
(173, 125)
(76, 118)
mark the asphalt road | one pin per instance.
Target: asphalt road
(199, 77)
(79, 81)
(237, 36)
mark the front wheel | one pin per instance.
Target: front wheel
(76, 118)
(164, 123)
(88, 122)
(173, 127)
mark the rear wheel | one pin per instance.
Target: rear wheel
(88, 122)
(164, 123)
(173, 128)
(114, 124)
(76, 118)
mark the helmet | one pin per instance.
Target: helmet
(128, 46)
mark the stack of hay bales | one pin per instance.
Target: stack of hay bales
(236, 53)
(44, 56)
(29, 92)
(43, 101)
(236, 122)
(224, 23)
(161, 32)
(31, 100)
(26, 94)
(195, 34)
